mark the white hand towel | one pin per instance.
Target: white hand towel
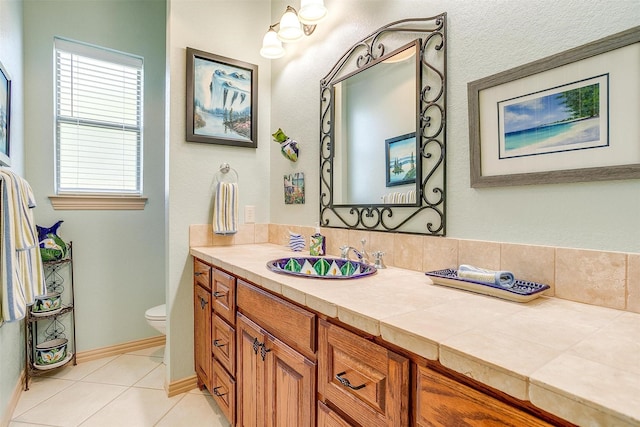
(225, 208)
(21, 271)
(500, 278)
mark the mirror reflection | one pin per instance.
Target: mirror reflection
(375, 157)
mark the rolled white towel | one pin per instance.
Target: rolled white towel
(504, 279)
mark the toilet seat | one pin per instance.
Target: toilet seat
(156, 313)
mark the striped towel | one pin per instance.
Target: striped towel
(21, 267)
(225, 208)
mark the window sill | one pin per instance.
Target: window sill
(97, 202)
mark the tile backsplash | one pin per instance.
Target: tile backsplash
(607, 279)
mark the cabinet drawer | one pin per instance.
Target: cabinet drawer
(328, 418)
(364, 380)
(442, 401)
(291, 324)
(224, 295)
(224, 392)
(224, 343)
(202, 274)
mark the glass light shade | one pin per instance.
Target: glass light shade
(312, 11)
(271, 46)
(290, 29)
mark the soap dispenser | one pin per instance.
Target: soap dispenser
(317, 244)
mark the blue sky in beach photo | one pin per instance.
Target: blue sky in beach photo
(534, 112)
(562, 118)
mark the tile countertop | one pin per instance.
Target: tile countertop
(578, 361)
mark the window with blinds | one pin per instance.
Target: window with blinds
(98, 120)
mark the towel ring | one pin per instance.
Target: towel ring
(226, 174)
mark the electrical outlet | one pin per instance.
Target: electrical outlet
(249, 214)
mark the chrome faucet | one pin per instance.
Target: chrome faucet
(362, 256)
(379, 262)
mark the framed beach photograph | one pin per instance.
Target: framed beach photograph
(400, 159)
(5, 117)
(566, 118)
(222, 100)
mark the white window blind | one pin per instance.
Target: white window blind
(98, 120)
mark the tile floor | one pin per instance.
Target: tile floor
(122, 391)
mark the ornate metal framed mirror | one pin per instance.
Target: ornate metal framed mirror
(382, 136)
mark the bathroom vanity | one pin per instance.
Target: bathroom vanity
(313, 352)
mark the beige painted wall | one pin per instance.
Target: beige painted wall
(232, 29)
(485, 37)
(118, 255)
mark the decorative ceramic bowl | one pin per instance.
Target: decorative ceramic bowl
(47, 303)
(50, 352)
(321, 267)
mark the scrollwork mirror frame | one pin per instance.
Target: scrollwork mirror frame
(427, 215)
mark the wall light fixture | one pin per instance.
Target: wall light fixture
(293, 25)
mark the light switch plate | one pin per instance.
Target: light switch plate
(249, 214)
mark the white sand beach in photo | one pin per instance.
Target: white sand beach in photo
(582, 134)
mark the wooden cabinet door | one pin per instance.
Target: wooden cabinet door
(250, 374)
(224, 343)
(368, 382)
(276, 384)
(224, 295)
(442, 401)
(290, 386)
(202, 335)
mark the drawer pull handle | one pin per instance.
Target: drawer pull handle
(256, 345)
(217, 393)
(198, 273)
(345, 382)
(203, 302)
(219, 294)
(216, 343)
(264, 351)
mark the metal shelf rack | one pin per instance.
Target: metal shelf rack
(61, 324)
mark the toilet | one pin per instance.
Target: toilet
(157, 318)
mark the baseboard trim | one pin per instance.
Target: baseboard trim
(115, 350)
(13, 402)
(182, 386)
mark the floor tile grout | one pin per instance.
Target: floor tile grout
(192, 403)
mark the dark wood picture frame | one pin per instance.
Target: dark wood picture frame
(605, 46)
(5, 117)
(217, 85)
(391, 161)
